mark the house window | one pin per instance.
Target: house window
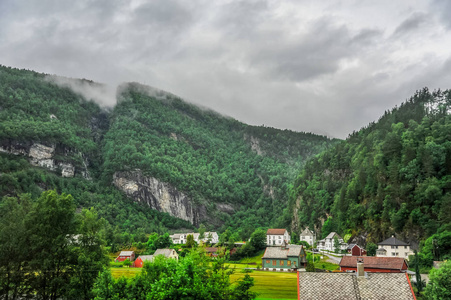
(268, 261)
(280, 237)
(405, 247)
(274, 262)
(289, 263)
(281, 262)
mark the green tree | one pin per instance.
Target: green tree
(258, 239)
(439, 286)
(336, 244)
(202, 230)
(88, 254)
(371, 249)
(242, 290)
(13, 246)
(50, 223)
(310, 266)
(190, 243)
(418, 281)
(127, 263)
(104, 286)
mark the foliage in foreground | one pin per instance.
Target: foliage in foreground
(439, 286)
(47, 251)
(192, 277)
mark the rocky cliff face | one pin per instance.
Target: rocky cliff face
(159, 195)
(44, 156)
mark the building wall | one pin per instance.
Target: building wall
(123, 258)
(397, 251)
(308, 238)
(277, 263)
(138, 263)
(277, 239)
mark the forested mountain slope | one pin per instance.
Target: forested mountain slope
(152, 148)
(393, 176)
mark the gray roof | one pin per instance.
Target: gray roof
(381, 286)
(381, 250)
(350, 246)
(166, 252)
(307, 232)
(146, 257)
(126, 253)
(294, 250)
(332, 234)
(275, 252)
(393, 242)
(279, 252)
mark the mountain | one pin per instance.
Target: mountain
(393, 176)
(152, 162)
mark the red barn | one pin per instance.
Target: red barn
(356, 250)
(374, 264)
(139, 262)
(130, 255)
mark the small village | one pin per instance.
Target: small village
(314, 269)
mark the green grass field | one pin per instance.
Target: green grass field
(126, 272)
(271, 285)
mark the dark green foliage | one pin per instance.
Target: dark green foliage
(258, 239)
(158, 242)
(310, 266)
(190, 243)
(439, 286)
(52, 252)
(205, 155)
(192, 277)
(371, 249)
(392, 176)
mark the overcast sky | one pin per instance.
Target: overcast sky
(328, 67)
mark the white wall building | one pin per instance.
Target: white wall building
(308, 236)
(328, 243)
(392, 247)
(209, 236)
(276, 237)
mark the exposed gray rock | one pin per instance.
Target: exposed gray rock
(225, 207)
(158, 195)
(41, 156)
(67, 169)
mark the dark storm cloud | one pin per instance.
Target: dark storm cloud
(327, 66)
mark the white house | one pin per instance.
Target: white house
(392, 247)
(328, 243)
(276, 237)
(180, 238)
(307, 236)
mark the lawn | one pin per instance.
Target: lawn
(269, 285)
(126, 272)
(325, 265)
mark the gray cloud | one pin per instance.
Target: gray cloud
(411, 24)
(329, 68)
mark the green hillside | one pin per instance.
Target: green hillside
(394, 176)
(212, 159)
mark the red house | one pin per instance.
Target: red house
(130, 255)
(374, 264)
(139, 262)
(356, 250)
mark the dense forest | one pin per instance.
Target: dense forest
(211, 158)
(393, 176)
